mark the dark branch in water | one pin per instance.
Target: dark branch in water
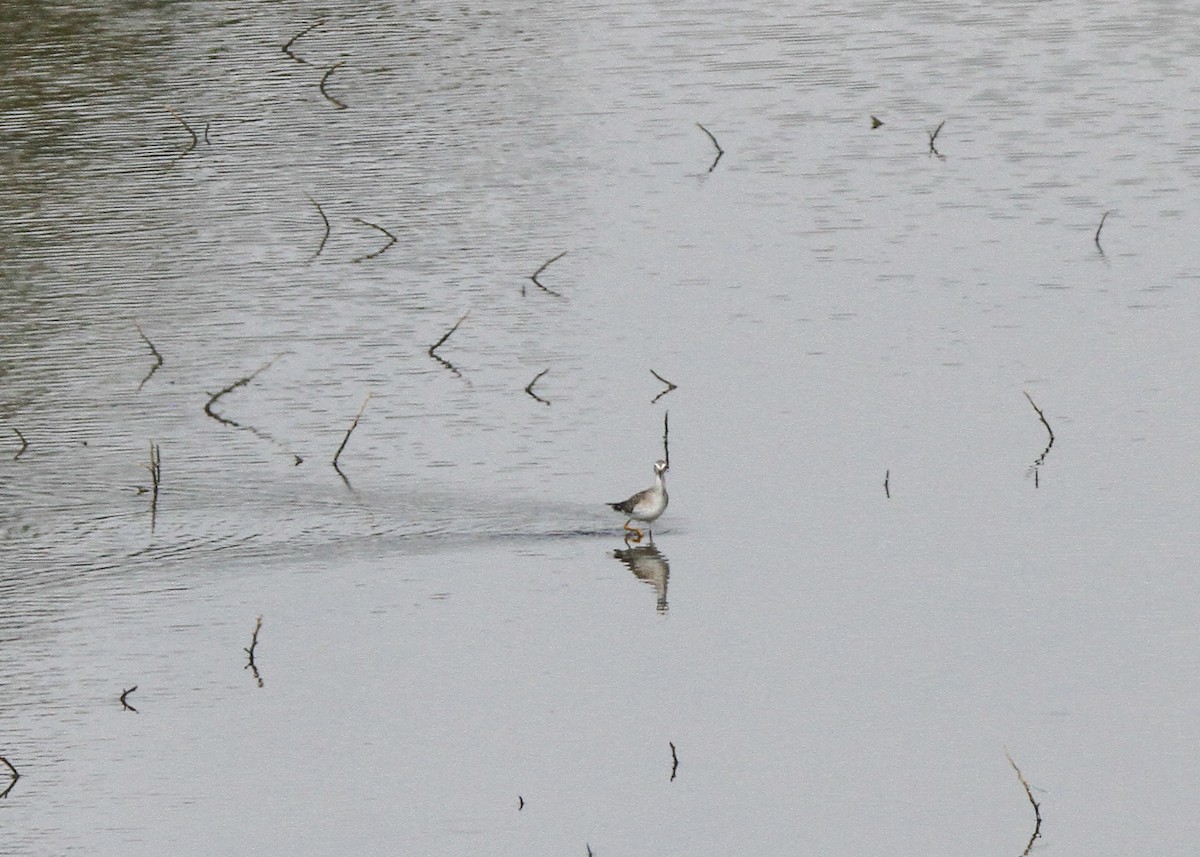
(887, 475)
(932, 137)
(520, 803)
(670, 386)
(189, 129)
(250, 665)
(1036, 466)
(240, 382)
(433, 348)
(287, 49)
(529, 387)
(125, 706)
(346, 439)
(155, 468)
(674, 761)
(324, 78)
(666, 432)
(1103, 218)
(158, 358)
(15, 776)
(380, 251)
(24, 443)
(324, 220)
(720, 151)
(1037, 810)
(875, 123)
(538, 282)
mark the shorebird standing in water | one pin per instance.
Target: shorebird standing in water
(645, 506)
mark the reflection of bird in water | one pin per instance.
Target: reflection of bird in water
(645, 505)
(649, 565)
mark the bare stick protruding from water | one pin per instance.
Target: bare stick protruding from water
(346, 439)
(674, 761)
(433, 348)
(186, 127)
(391, 239)
(520, 803)
(1037, 810)
(155, 468)
(887, 476)
(287, 49)
(324, 220)
(529, 387)
(720, 151)
(240, 382)
(1103, 218)
(932, 137)
(325, 78)
(1036, 466)
(670, 386)
(666, 433)
(125, 706)
(545, 265)
(158, 358)
(875, 122)
(24, 443)
(250, 665)
(15, 776)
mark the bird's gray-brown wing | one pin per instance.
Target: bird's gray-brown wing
(627, 506)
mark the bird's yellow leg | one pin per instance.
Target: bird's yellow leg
(636, 534)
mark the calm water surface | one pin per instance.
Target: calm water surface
(458, 653)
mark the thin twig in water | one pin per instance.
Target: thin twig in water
(529, 387)
(240, 382)
(391, 239)
(433, 348)
(353, 426)
(125, 702)
(15, 776)
(674, 761)
(1103, 218)
(324, 78)
(158, 358)
(24, 444)
(324, 220)
(189, 129)
(287, 49)
(887, 475)
(1036, 466)
(666, 432)
(155, 468)
(250, 665)
(720, 151)
(520, 803)
(670, 386)
(932, 137)
(1037, 810)
(538, 282)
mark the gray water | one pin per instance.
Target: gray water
(874, 580)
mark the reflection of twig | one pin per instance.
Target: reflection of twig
(538, 282)
(250, 665)
(674, 761)
(125, 703)
(720, 151)
(391, 239)
(670, 386)
(1038, 463)
(24, 443)
(529, 387)
(339, 105)
(1037, 810)
(932, 137)
(1103, 218)
(240, 382)
(158, 358)
(287, 49)
(353, 426)
(433, 348)
(887, 475)
(666, 431)
(15, 776)
(186, 127)
(324, 220)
